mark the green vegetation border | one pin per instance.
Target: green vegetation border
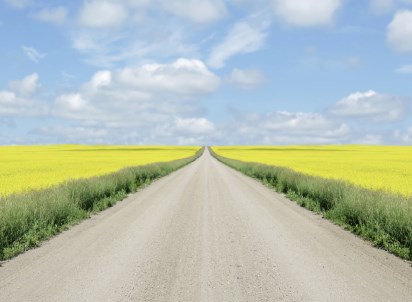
(29, 218)
(380, 217)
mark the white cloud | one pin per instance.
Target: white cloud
(183, 77)
(405, 69)
(243, 37)
(33, 54)
(282, 127)
(399, 31)
(370, 105)
(194, 125)
(298, 123)
(102, 14)
(101, 79)
(246, 78)
(27, 86)
(55, 15)
(20, 99)
(19, 4)
(86, 42)
(12, 105)
(369, 139)
(198, 11)
(75, 135)
(130, 47)
(132, 33)
(72, 102)
(307, 12)
(146, 104)
(404, 137)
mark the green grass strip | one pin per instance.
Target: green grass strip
(29, 218)
(381, 217)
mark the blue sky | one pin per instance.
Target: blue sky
(266, 72)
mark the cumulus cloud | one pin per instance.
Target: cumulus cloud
(12, 105)
(403, 136)
(27, 86)
(244, 37)
(72, 103)
(102, 14)
(20, 99)
(150, 103)
(101, 79)
(194, 126)
(246, 78)
(74, 134)
(33, 54)
(55, 15)
(370, 105)
(183, 77)
(308, 12)
(282, 127)
(152, 134)
(399, 31)
(198, 11)
(369, 139)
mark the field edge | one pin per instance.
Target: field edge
(384, 219)
(30, 218)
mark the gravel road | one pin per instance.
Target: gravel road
(206, 233)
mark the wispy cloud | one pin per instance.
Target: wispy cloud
(405, 69)
(56, 15)
(108, 49)
(33, 54)
(244, 37)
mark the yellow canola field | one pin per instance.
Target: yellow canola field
(387, 168)
(35, 167)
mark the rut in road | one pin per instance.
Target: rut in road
(206, 233)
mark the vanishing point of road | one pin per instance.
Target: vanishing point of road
(206, 233)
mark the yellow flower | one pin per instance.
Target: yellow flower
(37, 167)
(387, 168)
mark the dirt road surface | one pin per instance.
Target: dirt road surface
(206, 233)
